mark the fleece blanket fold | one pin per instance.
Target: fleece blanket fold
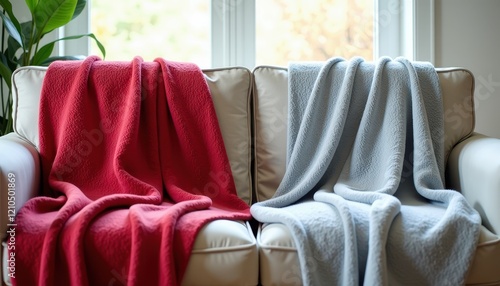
(133, 166)
(363, 191)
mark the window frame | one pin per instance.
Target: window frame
(402, 28)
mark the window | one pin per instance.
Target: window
(248, 32)
(313, 30)
(178, 30)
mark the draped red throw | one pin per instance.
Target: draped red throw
(133, 166)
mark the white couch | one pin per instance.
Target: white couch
(252, 112)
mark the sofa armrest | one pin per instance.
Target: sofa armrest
(474, 169)
(19, 176)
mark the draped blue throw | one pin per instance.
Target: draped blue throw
(363, 191)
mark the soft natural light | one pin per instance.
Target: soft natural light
(175, 30)
(313, 30)
(299, 30)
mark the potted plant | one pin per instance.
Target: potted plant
(21, 43)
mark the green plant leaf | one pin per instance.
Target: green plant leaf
(7, 6)
(26, 29)
(99, 45)
(11, 51)
(52, 14)
(80, 5)
(11, 29)
(6, 74)
(32, 5)
(6, 122)
(5, 61)
(62, 58)
(42, 54)
(3, 56)
(91, 35)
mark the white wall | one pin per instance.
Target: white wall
(468, 35)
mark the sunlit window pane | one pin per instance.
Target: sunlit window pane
(313, 30)
(175, 30)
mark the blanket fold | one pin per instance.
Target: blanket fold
(356, 216)
(133, 165)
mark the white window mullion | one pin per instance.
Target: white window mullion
(245, 34)
(424, 30)
(407, 37)
(387, 35)
(404, 28)
(79, 26)
(233, 33)
(217, 38)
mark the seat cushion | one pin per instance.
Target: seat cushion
(279, 264)
(225, 253)
(270, 96)
(230, 89)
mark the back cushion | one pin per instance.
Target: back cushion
(230, 89)
(271, 114)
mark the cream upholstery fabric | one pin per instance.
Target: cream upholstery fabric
(26, 88)
(225, 252)
(457, 86)
(230, 89)
(279, 264)
(270, 121)
(278, 257)
(21, 158)
(474, 170)
(17, 155)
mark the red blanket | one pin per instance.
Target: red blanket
(133, 166)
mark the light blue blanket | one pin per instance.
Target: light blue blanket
(363, 191)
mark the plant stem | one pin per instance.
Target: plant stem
(4, 109)
(27, 50)
(10, 121)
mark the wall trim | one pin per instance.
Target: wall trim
(424, 30)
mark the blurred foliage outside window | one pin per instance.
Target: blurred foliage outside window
(286, 30)
(174, 30)
(313, 30)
